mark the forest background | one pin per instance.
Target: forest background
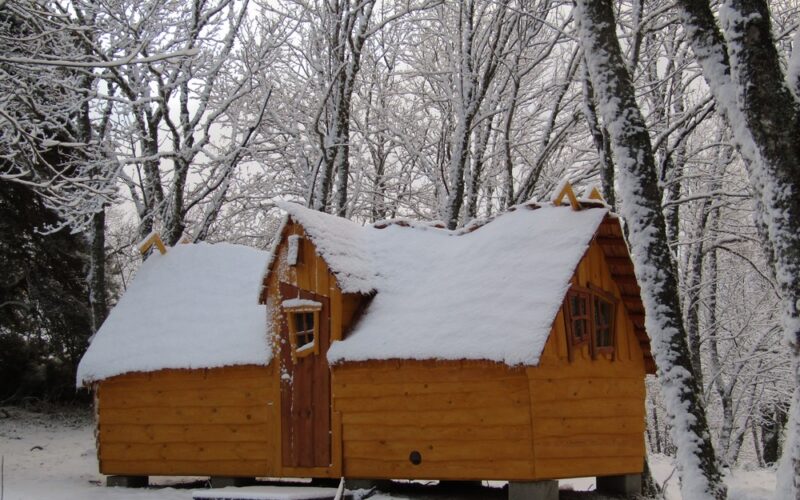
(191, 117)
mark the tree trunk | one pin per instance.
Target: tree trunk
(98, 296)
(476, 170)
(751, 90)
(601, 142)
(771, 429)
(655, 270)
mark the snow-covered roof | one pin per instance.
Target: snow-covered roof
(342, 243)
(491, 293)
(194, 307)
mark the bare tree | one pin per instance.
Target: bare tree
(745, 75)
(655, 269)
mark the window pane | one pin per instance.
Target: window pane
(604, 337)
(579, 329)
(309, 321)
(602, 312)
(578, 305)
(299, 323)
(304, 328)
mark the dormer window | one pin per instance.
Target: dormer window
(590, 319)
(302, 317)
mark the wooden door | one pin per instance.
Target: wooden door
(305, 392)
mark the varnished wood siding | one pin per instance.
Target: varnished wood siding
(216, 421)
(589, 414)
(468, 420)
(311, 274)
(479, 420)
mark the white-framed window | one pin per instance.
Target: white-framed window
(302, 318)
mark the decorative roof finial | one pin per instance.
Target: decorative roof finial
(152, 239)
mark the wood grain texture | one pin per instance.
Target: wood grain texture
(308, 437)
(193, 422)
(468, 420)
(588, 413)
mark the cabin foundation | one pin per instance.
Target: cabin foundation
(227, 481)
(626, 484)
(368, 484)
(533, 490)
(127, 481)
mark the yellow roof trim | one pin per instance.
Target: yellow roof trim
(570, 194)
(153, 239)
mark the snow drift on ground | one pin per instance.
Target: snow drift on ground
(194, 307)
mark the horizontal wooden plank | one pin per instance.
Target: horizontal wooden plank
(569, 426)
(176, 398)
(600, 407)
(555, 468)
(186, 433)
(591, 445)
(422, 371)
(598, 369)
(202, 451)
(368, 432)
(463, 470)
(232, 468)
(482, 416)
(552, 389)
(366, 389)
(456, 401)
(235, 376)
(439, 450)
(186, 415)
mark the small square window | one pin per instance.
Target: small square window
(304, 329)
(302, 319)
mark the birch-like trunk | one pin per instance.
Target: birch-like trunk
(655, 270)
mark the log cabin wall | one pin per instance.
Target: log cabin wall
(213, 422)
(589, 414)
(464, 419)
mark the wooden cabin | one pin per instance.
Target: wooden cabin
(513, 349)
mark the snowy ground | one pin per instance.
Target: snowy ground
(52, 456)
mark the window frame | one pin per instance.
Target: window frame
(611, 300)
(592, 295)
(585, 294)
(299, 352)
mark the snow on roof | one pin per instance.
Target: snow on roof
(341, 243)
(194, 307)
(489, 294)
